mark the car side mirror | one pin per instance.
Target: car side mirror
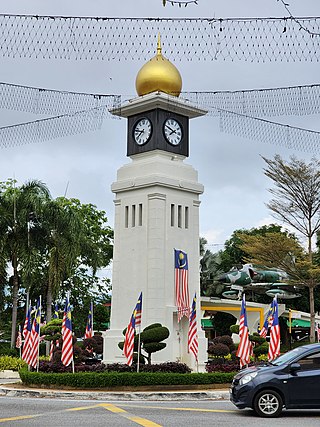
(295, 367)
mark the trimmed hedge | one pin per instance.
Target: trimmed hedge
(89, 380)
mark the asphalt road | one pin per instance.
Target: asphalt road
(194, 413)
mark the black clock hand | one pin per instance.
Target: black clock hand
(172, 130)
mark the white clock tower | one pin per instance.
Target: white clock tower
(156, 211)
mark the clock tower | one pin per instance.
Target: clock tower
(156, 211)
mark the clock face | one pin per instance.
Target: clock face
(172, 131)
(142, 131)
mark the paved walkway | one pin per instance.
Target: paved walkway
(12, 387)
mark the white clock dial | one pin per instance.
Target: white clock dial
(142, 131)
(172, 131)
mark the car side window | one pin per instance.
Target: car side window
(310, 362)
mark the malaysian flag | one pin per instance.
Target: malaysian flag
(67, 348)
(274, 344)
(51, 350)
(193, 343)
(33, 354)
(89, 327)
(268, 321)
(56, 312)
(27, 335)
(138, 311)
(318, 331)
(181, 283)
(244, 350)
(128, 347)
(19, 338)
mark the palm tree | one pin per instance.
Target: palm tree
(16, 205)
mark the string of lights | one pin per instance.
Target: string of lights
(269, 132)
(180, 3)
(302, 27)
(292, 100)
(48, 101)
(53, 127)
(190, 39)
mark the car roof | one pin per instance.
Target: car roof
(311, 346)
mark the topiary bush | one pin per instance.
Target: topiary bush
(219, 350)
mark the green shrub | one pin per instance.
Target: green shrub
(261, 349)
(11, 363)
(89, 380)
(157, 334)
(234, 329)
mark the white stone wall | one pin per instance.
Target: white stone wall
(144, 253)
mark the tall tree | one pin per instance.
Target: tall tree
(285, 252)
(296, 202)
(296, 194)
(16, 205)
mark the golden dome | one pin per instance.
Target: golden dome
(159, 74)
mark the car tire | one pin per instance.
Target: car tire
(268, 404)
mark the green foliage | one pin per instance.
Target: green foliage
(152, 347)
(11, 363)
(234, 329)
(111, 380)
(152, 326)
(261, 349)
(255, 337)
(156, 334)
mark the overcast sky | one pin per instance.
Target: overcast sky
(229, 167)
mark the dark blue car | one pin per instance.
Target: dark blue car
(291, 381)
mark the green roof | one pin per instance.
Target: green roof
(299, 323)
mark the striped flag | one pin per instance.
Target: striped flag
(138, 313)
(274, 344)
(193, 343)
(135, 320)
(182, 299)
(245, 347)
(268, 321)
(129, 340)
(27, 335)
(89, 327)
(33, 354)
(56, 312)
(67, 348)
(19, 338)
(51, 351)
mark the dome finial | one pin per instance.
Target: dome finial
(159, 48)
(158, 75)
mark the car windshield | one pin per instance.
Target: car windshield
(290, 355)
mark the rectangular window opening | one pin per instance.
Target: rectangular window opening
(179, 216)
(126, 216)
(186, 217)
(140, 214)
(133, 219)
(172, 216)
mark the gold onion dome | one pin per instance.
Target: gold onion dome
(158, 74)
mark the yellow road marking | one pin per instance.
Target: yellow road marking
(167, 408)
(82, 408)
(141, 421)
(21, 417)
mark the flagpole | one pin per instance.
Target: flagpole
(40, 307)
(138, 364)
(92, 318)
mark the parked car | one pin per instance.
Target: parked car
(291, 381)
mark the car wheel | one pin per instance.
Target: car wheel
(268, 403)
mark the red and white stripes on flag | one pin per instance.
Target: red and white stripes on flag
(274, 344)
(244, 350)
(193, 343)
(182, 298)
(138, 312)
(67, 345)
(19, 338)
(51, 351)
(32, 355)
(128, 347)
(27, 335)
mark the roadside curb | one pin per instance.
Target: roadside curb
(97, 395)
